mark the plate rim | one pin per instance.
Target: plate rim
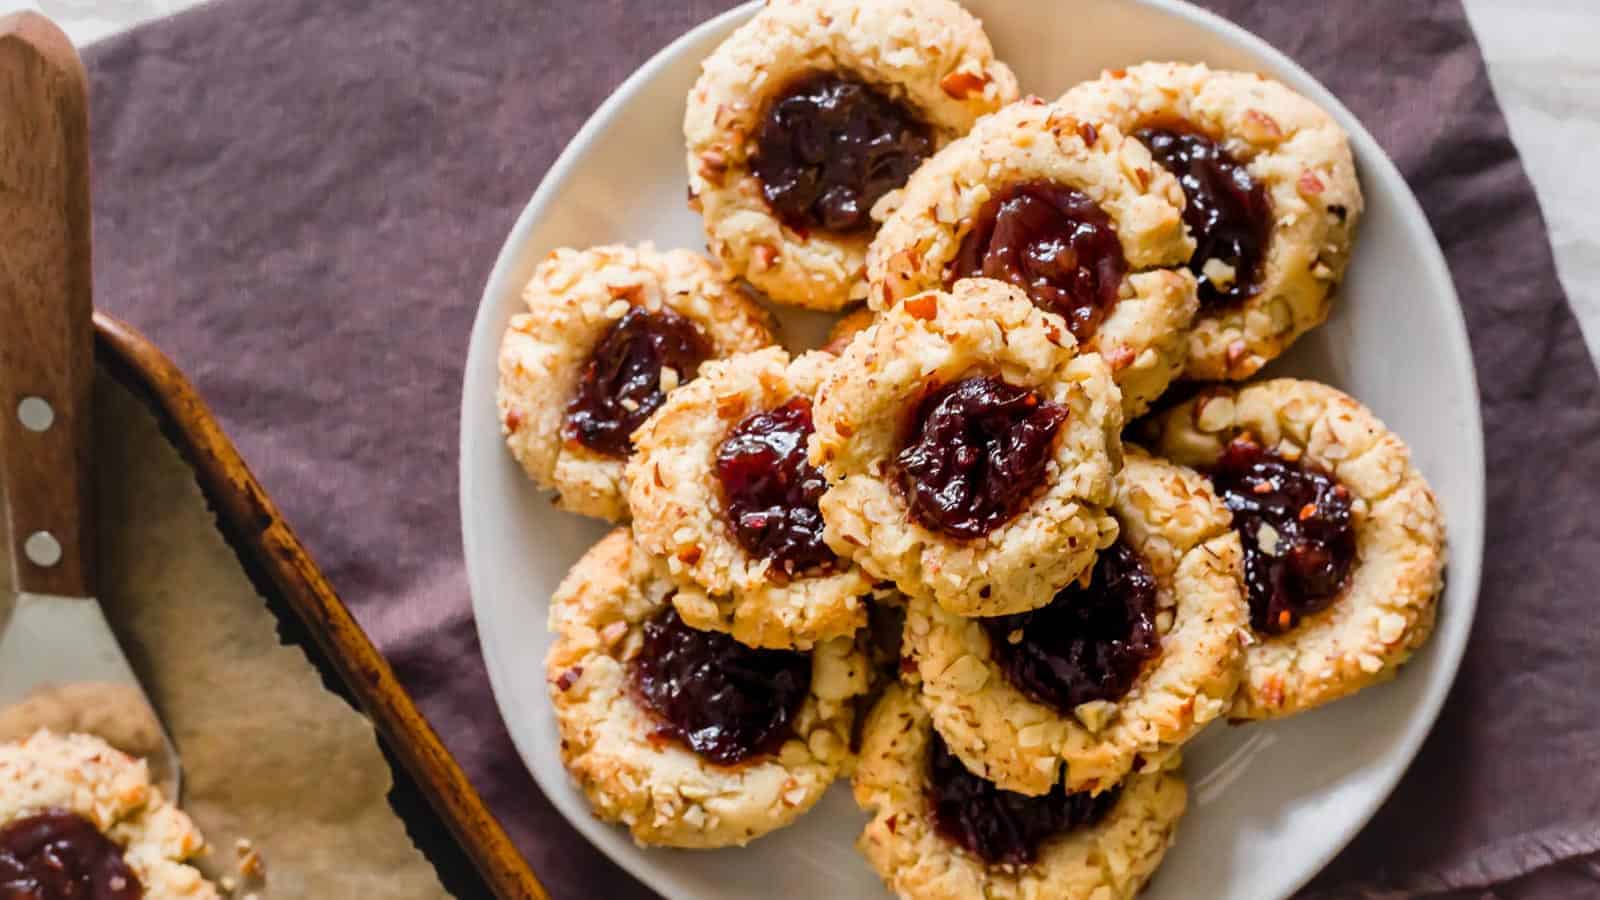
(1466, 560)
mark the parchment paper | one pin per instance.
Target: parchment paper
(269, 754)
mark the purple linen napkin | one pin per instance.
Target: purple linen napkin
(300, 201)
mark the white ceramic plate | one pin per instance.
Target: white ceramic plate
(1270, 804)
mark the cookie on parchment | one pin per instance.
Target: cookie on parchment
(1110, 678)
(932, 834)
(1343, 540)
(814, 111)
(606, 334)
(1271, 197)
(969, 449)
(1076, 214)
(685, 737)
(75, 790)
(721, 489)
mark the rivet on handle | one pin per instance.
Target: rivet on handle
(36, 414)
(43, 549)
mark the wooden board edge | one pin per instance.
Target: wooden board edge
(239, 497)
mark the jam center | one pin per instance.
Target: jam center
(1227, 212)
(771, 491)
(1056, 244)
(999, 826)
(726, 701)
(59, 855)
(1294, 521)
(830, 146)
(1086, 644)
(977, 454)
(620, 386)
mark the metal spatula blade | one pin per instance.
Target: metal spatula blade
(60, 664)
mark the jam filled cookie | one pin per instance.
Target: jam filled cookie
(79, 818)
(687, 737)
(1112, 676)
(1271, 200)
(1343, 541)
(721, 489)
(969, 450)
(939, 832)
(809, 114)
(1076, 215)
(608, 332)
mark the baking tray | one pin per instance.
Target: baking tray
(444, 815)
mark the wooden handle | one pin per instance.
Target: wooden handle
(46, 349)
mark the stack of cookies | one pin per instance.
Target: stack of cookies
(1023, 526)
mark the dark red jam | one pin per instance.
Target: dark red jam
(621, 384)
(771, 491)
(1056, 244)
(726, 701)
(830, 146)
(998, 826)
(59, 855)
(977, 454)
(1086, 644)
(1294, 521)
(1227, 210)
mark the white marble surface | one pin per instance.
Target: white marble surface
(1544, 60)
(87, 21)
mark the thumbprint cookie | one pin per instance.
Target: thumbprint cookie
(1270, 198)
(1077, 215)
(941, 832)
(1117, 671)
(720, 487)
(814, 112)
(686, 737)
(607, 333)
(969, 450)
(79, 818)
(1343, 541)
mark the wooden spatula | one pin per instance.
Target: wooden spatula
(58, 657)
